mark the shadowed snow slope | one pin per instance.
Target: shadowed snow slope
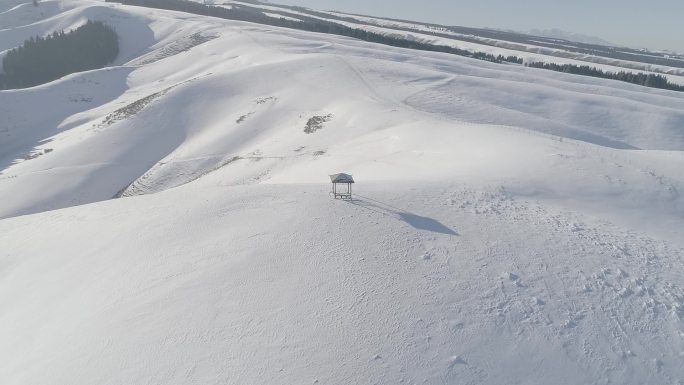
(513, 225)
(280, 284)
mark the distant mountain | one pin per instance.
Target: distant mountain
(556, 33)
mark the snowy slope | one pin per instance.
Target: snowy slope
(277, 81)
(512, 225)
(280, 284)
(529, 51)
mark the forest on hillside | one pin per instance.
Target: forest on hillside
(640, 78)
(44, 59)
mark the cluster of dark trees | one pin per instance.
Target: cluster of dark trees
(642, 79)
(254, 15)
(621, 53)
(43, 59)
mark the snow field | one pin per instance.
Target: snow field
(278, 283)
(511, 225)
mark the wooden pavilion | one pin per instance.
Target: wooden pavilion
(342, 179)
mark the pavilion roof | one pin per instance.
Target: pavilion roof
(341, 178)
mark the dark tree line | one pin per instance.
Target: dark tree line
(622, 53)
(43, 59)
(642, 79)
(254, 15)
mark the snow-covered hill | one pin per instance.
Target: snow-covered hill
(512, 225)
(557, 33)
(279, 284)
(530, 47)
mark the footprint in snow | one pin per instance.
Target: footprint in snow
(456, 360)
(513, 278)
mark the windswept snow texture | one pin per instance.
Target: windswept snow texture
(509, 225)
(280, 284)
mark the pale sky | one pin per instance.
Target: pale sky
(655, 24)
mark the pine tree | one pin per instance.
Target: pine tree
(43, 59)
